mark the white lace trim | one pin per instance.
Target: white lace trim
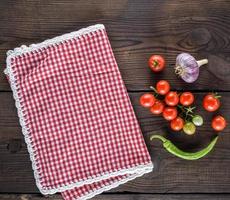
(19, 51)
(140, 169)
(56, 40)
(109, 187)
(137, 170)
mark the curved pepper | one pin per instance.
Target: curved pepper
(170, 147)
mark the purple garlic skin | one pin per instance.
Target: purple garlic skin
(187, 67)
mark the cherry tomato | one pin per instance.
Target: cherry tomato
(169, 113)
(197, 120)
(147, 100)
(156, 63)
(157, 107)
(219, 123)
(186, 98)
(189, 128)
(171, 98)
(163, 87)
(211, 102)
(177, 124)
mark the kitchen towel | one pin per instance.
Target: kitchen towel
(76, 116)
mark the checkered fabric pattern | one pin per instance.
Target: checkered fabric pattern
(80, 123)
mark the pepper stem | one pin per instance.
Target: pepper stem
(158, 137)
(202, 62)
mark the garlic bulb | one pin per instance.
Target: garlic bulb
(187, 67)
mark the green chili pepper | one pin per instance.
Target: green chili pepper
(170, 147)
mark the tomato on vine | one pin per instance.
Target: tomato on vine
(172, 98)
(177, 124)
(170, 113)
(162, 87)
(186, 98)
(197, 120)
(189, 128)
(147, 100)
(157, 107)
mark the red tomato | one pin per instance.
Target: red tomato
(147, 100)
(171, 98)
(218, 123)
(177, 124)
(169, 113)
(157, 107)
(211, 103)
(186, 98)
(162, 87)
(156, 63)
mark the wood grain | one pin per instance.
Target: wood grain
(136, 29)
(170, 175)
(124, 197)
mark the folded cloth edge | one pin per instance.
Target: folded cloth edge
(19, 51)
(114, 185)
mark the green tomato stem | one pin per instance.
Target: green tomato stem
(155, 63)
(154, 89)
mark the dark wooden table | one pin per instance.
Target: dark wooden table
(136, 30)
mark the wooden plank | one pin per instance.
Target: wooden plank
(136, 30)
(170, 175)
(124, 197)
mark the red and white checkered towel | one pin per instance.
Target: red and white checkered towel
(76, 116)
